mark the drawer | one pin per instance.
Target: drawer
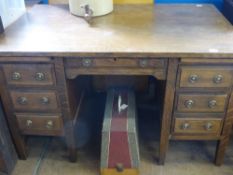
(33, 124)
(198, 126)
(29, 74)
(116, 66)
(116, 62)
(205, 76)
(39, 100)
(201, 102)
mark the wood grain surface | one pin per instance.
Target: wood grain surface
(131, 30)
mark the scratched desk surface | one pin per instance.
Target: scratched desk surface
(131, 30)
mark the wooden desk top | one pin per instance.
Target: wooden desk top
(131, 30)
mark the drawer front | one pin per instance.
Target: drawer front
(40, 124)
(29, 74)
(116, 62)
(207, 76)
(198, 126)
(201, 102)
(27, 101)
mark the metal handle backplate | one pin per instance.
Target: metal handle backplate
(40, 76)
(189, 104)
(218, 79)
(193, 78)
(22, 100)
(185, 126)
(16, 76)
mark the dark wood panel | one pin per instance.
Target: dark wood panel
(8, 157)
(104, 82)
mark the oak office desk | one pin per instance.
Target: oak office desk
(188, 46)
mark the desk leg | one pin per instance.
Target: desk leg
(18, 139)
(227, 128)
(67, 114)
(70, 141)
(167, 109)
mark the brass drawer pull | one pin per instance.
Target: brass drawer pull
(44, 100)
(208, 126)
(49, 124)
(193, 78)
(16, 76)
(22, 100)
(40, 76)
(28, 123)
(86, 62)
(185, 126)
(189, 104)
(143, 63)
(212, 103)
(119, 167)
(218, 79)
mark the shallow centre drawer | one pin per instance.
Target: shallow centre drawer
(116, 62)
(198, 126)
(116, 66)
(29, 74)
(201, 102)
(206, 76)
(39, 100)
(37, 124)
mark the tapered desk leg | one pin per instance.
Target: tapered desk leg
(167, 109)
(18, 139)
(70, 141)
(223, 143)
(67, 114)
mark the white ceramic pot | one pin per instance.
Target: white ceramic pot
(90, 7)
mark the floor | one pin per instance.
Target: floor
(183, 157)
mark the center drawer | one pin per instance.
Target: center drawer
(199, 102)
(39, 100)
(116, 62)
(156, 67)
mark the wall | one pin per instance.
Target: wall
(217, 3)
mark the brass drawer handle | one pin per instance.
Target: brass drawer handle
(218, 79)
(40, 76)
(44, 100)
(49, 124)
(185, 126)
(189, 104)
(119, 167)
(208, 126)
(193, 78)
(143, 63)
(22, 100)
(212, 103)
(86, 62)
(16, 76)
(28, 123)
